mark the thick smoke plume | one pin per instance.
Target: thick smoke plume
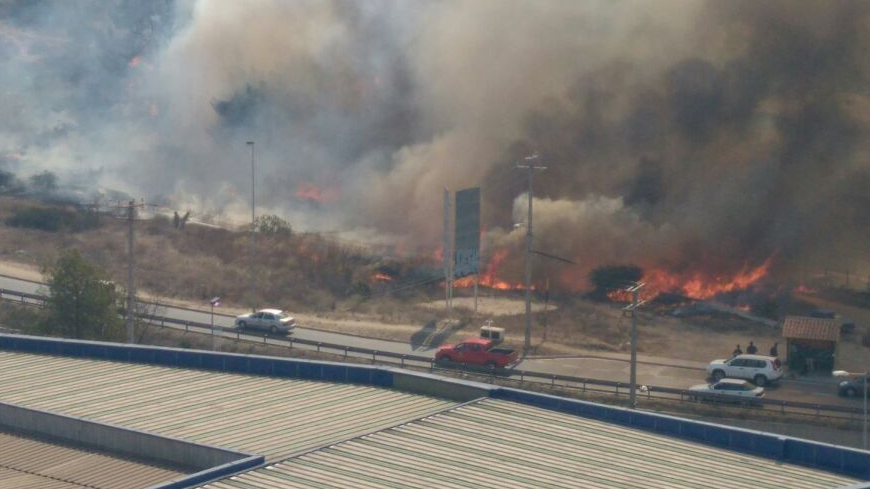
(679, 134)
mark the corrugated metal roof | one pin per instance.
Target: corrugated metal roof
(497, 444)
(808, 328)
(270, 416)
(27, 463)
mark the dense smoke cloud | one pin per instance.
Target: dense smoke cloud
(678, 133)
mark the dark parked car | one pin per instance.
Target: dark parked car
(852, 387)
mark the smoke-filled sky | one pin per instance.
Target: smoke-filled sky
(677, 133)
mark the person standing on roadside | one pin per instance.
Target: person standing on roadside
(773, 351)
(737, 351)
(751, 349)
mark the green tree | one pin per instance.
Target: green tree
(273, 225)
(82, 302)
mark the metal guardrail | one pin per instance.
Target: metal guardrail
(506, 374)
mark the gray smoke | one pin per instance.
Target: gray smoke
(678, 133)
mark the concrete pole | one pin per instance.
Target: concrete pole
(864, 434)
(527, 344)
(530, 167)
(131, 290)
(476, 279)
(632, 379)
(253, 284)
(445, 251)
(213, 337)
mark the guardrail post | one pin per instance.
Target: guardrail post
(264, 340)
(403, 360)
(318, 346)
(522, 377)
(345, 352)
(374, 355)
(553, 381)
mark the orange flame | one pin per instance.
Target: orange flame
(382, 277)
(697, 286)
(489, 278)
(311, 192)
(694, 285)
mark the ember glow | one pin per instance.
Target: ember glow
(313, 193)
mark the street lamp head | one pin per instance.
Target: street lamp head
(250, 143)
(840, 373)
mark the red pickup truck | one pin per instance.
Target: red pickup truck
(477, 351)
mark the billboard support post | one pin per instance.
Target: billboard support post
(466, 243)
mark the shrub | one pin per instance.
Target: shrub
(54, 219)
(272, 225)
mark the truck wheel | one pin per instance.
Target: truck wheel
(273, 330)
(491, 365)
(760, 380)
(718, 375)
(851, 392)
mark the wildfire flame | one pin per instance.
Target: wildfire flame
(382, 277)
(313, 193)
(695, 285)
(489, 277)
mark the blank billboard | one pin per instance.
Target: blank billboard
(467, 236)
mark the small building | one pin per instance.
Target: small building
(811, 343)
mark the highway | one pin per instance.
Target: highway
(675, 373)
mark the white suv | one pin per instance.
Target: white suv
(759, 369)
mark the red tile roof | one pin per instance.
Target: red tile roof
(807, 328)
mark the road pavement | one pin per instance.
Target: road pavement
(661, 372)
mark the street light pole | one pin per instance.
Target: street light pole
(253, 230)
(530, 166)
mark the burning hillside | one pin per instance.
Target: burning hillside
(740, 133)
